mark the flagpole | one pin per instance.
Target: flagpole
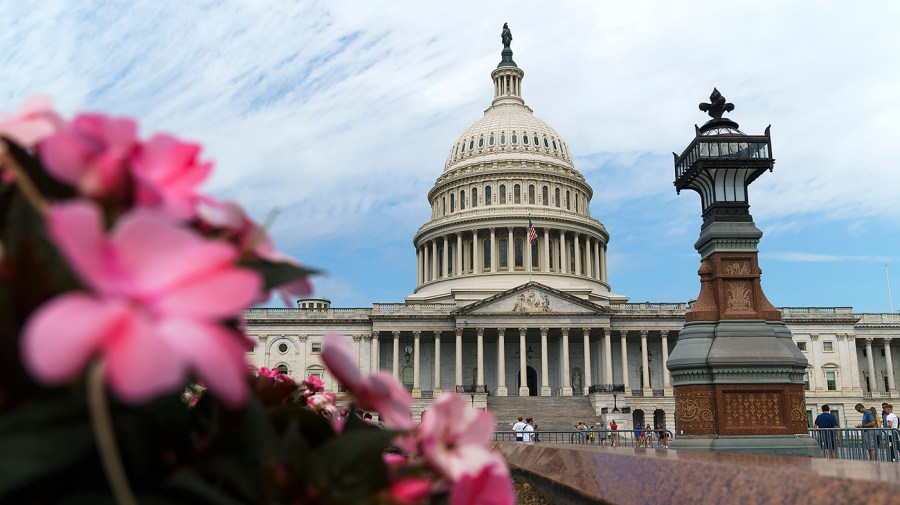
(890, 299)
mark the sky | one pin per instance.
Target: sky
(340, 115)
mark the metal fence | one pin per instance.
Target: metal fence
(865, 444)
(601, 438)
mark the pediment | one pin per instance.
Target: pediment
(532, 299)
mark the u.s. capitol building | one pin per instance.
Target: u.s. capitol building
(501, 312)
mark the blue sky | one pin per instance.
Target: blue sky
(342, 114)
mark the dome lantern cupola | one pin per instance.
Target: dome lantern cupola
(507, 77)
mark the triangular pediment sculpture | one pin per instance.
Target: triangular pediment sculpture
(532, 298)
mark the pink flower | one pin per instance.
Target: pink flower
(159, 292)
(265, 372)
(490, 486)
(33, 122)
(92, 154)
(379, 391)
(314, 384)
(410, 490)
(167, 175)
(455, 438)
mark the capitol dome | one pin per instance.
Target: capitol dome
(510, 208)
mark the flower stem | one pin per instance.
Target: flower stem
(106, 438)
(28, 188)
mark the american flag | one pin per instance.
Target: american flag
(532, 233)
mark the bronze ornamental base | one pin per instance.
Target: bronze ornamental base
(740, 409)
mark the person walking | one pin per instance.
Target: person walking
(868, 421)
(528, 431)
(826, 422)
(663, 436)
(519, 427)
(891, 423)
(603, 434)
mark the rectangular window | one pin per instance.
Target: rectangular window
(806, 381)
(315, 347)
(502, 194)
(831, 380)
(809, 418)
(503, 254)
(802, 346)
(517, 194)
(519, 252)
(828, 346)
(531, 194)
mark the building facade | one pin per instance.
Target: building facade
(512, 295)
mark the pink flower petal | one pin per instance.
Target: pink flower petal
(411, 490)
(487, 487)
(63, 334)
(216, 296)
(382, 392)
(77, 231)
(337, 355)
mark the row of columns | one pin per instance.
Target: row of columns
(523, 380)
(873, 381)
(430, 269)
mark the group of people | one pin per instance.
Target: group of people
(830, 439)
(527, 431)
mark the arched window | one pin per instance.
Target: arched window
(472, 144)
(534, 254)
(462, 200)
(487, 254)
(444, 205)
(514, 138)
(554, 145)
(503, 139)
(568, 203)
(517, 194)
(282, 368)
(832, 376)
(503, 253)
(525, 139)
(464, 146)
(556, 194)
(474, 197)
(440, 260)
(488, 196)
(520, 253)
(491, 140)
(546, 144)
(451, 249)
(452, 202)
(545, 194)
(531, 194)
(502, 194)
(576, 202)
(536, 141)
(480, 142)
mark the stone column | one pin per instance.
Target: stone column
(667, 379)
(494, 259)
(376, 353)
(301, 362)
(446, 254)
(416, 390)
(501, 362)
(813, 362)
(545, 267)
(395, 367)
(523, 364)
(437, 364)
(567, 370)
(356, 350)
(603, 273)
(607, 356)
(873, 383)
(588, 264)
(435, 272)
(892, 386)
(526, 245)
(597, 259)
(563, 253)
(476, 263)
(587, 360)
(577, 252)
(645, 365)
(624, 334)
(418, 266)
(479, 355)
(510, 251)
(854, 363)
(368, 366)
(459, 255)
(545, 374)
(459, 332)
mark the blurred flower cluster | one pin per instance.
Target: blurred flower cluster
(123, 355)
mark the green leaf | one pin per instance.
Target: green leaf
(39, 440)
(349, 468)
(190, 482)
(276, 274)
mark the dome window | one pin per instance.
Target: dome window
(515, 139)
(491, 140)
(480, 142)
(519, 253)
(546, 144)
(452, 202)
(502, 139)
(444, 205)
(474, 197)
(568, 202)
(487, 195)
(556, 194)
(554, 145)
(545, 193)
(463, 147)
(534, 254)
(462, 200)
(503, 253)
(487, 254)
(525, 140)
(472, 144)
(536, 141)
(502, 194)
(531, 194)
(517, 194)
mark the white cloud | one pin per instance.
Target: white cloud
(806, 257)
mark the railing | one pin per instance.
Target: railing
(261, 314)
(867, 444)
(414, 308)
(650, 439)
(877, 394)
(879, 318)
(659, 392)
(606, 388)
(472, 388)
(650, 307)
(427, 393)
(816, 311)
(637, 392)
(511, 211)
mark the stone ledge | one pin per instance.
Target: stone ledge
(622, 476)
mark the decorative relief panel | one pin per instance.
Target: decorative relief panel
(694, 410)
(759, 409)
(532, 302)
(739, 296)
(738, 268)
(753, 409)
